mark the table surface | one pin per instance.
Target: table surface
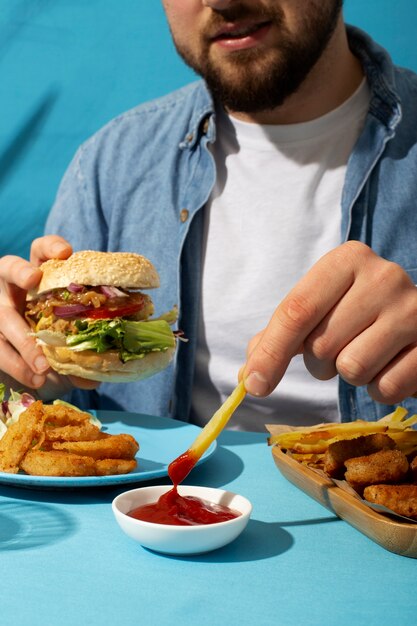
(64, 560)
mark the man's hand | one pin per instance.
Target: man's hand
(20, 357)
(353, 314)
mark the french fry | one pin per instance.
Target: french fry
(312, 440)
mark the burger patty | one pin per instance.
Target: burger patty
(44, 312)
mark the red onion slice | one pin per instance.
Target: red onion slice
(112, 292)
(69, 310)
(27, 399)
(74, 288)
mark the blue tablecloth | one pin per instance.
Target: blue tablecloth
(64, 560)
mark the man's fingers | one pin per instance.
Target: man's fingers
(291, 322)
(17, 368)
(49, 247)
(20, 358)
(305, 307)
(16, 272)
(397, 380)
(20, 342)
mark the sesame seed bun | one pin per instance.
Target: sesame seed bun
(89, 267)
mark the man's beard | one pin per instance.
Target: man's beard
(260, 79)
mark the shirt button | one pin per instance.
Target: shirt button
(184, 215)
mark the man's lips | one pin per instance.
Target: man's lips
(242, 35)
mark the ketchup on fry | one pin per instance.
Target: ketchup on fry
(180, 467)
(177, 510)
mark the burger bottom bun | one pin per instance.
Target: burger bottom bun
(105, 367)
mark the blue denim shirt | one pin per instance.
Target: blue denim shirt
(141, 182)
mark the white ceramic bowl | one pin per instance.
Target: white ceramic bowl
(181, 539)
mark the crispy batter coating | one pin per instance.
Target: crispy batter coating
(401, 499)
(86, 431)
(54, 463)
(385, 466)
(339, 451)
(21, 436)
(110, 447)
(64, 415)
(57, 463)
(106, 467)
(413, 469)
(58, 440)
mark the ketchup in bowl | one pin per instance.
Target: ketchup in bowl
(172, 508)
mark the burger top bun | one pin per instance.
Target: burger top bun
(120, 269)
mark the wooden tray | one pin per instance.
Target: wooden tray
(396, 536)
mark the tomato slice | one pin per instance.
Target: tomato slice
(105, 313)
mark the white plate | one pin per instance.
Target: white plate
(160, 439)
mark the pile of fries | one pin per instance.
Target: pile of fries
(60, 440)
(308, 445)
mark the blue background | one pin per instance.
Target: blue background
(68, 66)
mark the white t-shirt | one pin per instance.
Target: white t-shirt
(274, 211)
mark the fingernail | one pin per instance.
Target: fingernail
(38, 380)
(41, 364)
(256, 384)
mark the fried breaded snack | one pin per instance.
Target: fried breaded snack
(86, 431)
(365, 453)
(57, 463)
(54, 463)
(106, 467)
(63, 415)
(59, 440)
(110, 447)
(402, 499)
(385, 466)
(413, 469)
(340, 451)
(21, 436)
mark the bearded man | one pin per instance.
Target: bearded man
(276, 196)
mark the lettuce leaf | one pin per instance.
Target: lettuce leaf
(131, 339)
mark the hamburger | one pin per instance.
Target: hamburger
(92, 320)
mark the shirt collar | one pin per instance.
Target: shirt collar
(202, 119)
(385, 103)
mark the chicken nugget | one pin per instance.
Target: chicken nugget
(401, 499)
(106, 467)
(21, 436)
(413, 468)
(55, 463)
(109, 447)
(339, 451)
(385, 466)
